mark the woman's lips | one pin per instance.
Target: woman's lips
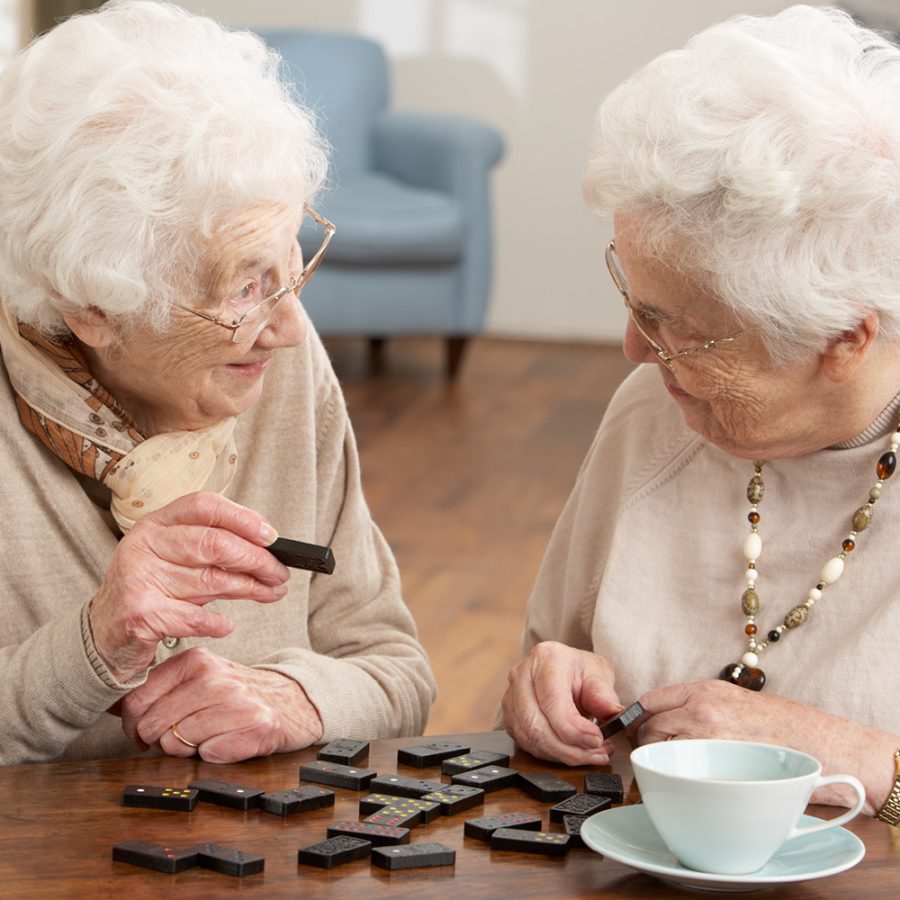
(250, 368)
(677, 392)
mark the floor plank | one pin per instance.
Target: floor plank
(466, 481)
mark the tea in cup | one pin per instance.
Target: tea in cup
(728, 806)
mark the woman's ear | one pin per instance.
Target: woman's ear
(91, 326)
(844, 354)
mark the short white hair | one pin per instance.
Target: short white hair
(128, 136)
(763, 158)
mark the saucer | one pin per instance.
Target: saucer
(627, 835)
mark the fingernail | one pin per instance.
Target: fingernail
(599, 759)
(268, 533)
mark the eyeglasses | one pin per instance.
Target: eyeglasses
(250, 324)
(642, 322)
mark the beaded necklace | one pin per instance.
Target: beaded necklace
(747, 673)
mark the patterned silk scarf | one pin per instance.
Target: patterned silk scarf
(78, 420)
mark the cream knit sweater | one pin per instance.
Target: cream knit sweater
(347, 638)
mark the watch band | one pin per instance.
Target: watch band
(890, 810)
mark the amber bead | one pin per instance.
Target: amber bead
(862, 518)
(750, 629)
(748, 677)
(753, 518)
(886, 465)
(774, 635)
(796, 617)
(756, 489)
(750, 602)
(848, 546)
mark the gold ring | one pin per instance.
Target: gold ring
(183, 740)
(671, 737)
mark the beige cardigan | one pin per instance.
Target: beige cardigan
(347, 638)
(645, 566)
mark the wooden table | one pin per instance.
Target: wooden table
(59, 822)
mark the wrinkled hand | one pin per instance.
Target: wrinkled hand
(552, 693)
(232, 712)
(198, 548)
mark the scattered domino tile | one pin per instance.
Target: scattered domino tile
(148, 796)
(546, 786)
(483, 828)
(579, 805)
(344, 750)
(334, 852)
(401, 786)
(429, 754)
(376, 834)
(617, 723)
(337, 775)
(455, 798)
(228, 861)
(548, 843)
(572, 827)
(468, 761)
(398, 816)
(296, 800)
(413, 856)
(234, 796)
(374, 802)
(488, 778)
(605, 784)
(154, 856)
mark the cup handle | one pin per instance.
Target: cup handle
(839, 820)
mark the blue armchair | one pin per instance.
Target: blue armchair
(408, 196)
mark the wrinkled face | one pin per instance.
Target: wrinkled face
(730, 395)
(193, 376)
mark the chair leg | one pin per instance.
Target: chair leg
(376, 355)
(456, 347)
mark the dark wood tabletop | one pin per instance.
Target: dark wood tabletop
(59, 822)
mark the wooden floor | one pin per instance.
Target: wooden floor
(466, 481)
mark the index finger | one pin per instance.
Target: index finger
(666, 698)
(214, 510)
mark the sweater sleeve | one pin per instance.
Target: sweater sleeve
(366, 672)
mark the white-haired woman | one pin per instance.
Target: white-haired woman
(729, 553)
(165, 408)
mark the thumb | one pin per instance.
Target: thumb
(599, 698)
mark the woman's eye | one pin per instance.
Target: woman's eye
(248, 291)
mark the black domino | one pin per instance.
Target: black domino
(398, 816)
(228, 861)
(482, 829)
(545, 842)
(234, 796)
(605, 784)
(374, 802)
(572, 827)
(296, 800)
(401, 786)
(413, 856)
(429, 754)
(468, 761)
(379, 835)
(345, 751)
(488, 778)
(455, 798)
(625, 718)
(579, 805)
(299, 555)
(337, 775)
(545, 786)
(154, 856)
(334, 852)
(149, 796)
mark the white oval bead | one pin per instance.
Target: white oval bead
(752, 575)
(832, 570)
(749, 659)
(752, 546)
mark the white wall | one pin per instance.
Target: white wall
(536, 69)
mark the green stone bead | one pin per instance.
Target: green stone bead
(875, 493)
(750, 602)
(796, 617)
(756, 489)
(862, 518)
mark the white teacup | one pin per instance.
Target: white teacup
(727, 806)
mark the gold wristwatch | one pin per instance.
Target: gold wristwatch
(890, 810)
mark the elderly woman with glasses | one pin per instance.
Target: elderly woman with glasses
(729, 553)
(166, 411)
